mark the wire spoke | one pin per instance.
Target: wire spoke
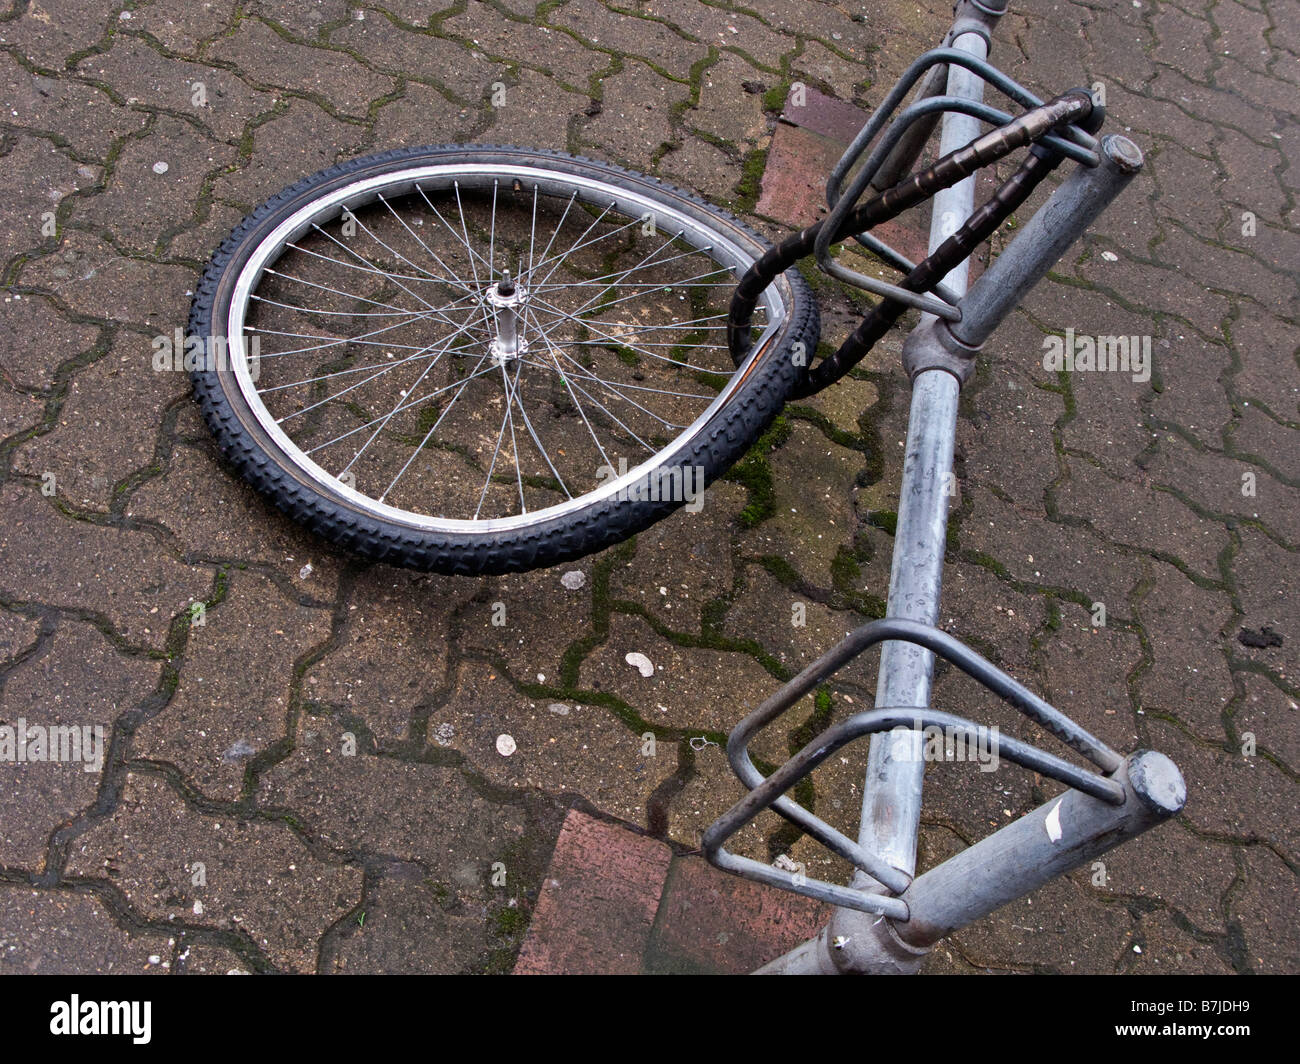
(405, 406)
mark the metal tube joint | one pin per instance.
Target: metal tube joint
(1055, 838)
(931, 345)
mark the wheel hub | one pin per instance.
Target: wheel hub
(505, 297)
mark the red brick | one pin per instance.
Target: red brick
(598, 901)
(712, 922)
(838, 120)
(794, 181)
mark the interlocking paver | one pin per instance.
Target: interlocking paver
(326, 743)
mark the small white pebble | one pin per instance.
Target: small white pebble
(574, 579)
(641, 663)
(506, 745)
(160, 167)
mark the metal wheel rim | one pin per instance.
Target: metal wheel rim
(696, 233)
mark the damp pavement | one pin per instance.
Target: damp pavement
(315, 778)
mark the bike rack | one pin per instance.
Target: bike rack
(887, 918)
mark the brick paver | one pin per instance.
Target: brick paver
(426, 849)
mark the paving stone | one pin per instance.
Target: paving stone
(1185, 367)
(1264, 440)
(181, 27)
(687, 555)
(539, 618)
(1190, 875)
(1142, 518)
(94, 280)
(48, 37)
(106, 426)
(603, 28)
(1265, 916)
(1265, 577)
(1229, 794)
(721, 28)
(1179, 620)
(1167, 949)
(767, 611)
(843, 76)
(1057, 929)
(57, 561)
(536, 113)
(299, 142)
(35, 340)
(1049, 554)
(316, 72)
(304, 18)
(1088, 668)
(75, 680)
(634, 120)
(403, 928)
(257, 879)
(18, 412)
(794, 179)
(1222, 485)
(538, 46)
(220, 716)
(1258, 339)
(712, 922)
(49, 932)
(396, 626)
(200, 959)
(1181, 41)
(47, 177)
(18, 635)
(405, 53)
(687, 689)
(588, 751)
(1270, 715)
(700, 165)
(82, 115)
(598, 902)
(144, 78)
(214, 514)
(422, 116)
(812, 514)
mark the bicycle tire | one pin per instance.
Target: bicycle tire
(250, 443)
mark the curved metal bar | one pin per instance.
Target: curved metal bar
(1017, 132)
(949, 648)
(983, 68)
(769, 792)
(902, 263)
(832, 893)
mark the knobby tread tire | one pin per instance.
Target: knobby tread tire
(246, 445)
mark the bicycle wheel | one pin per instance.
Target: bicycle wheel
(478, 359)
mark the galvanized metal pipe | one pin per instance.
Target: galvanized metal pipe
(1054, 227)
(1055, 838)
(891, 802)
